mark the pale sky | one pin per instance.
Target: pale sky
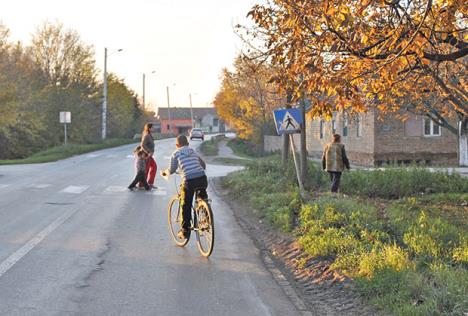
(186, 42)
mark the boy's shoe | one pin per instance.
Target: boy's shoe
(183, 234)
(131, 188)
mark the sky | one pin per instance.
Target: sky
(185, 42)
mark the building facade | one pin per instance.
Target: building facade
(181, 120)
(373, 141)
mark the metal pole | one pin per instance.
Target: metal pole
(104, 102)
(143, 91)
(65, 127)
(169, 110)
(191, 110)
(298, 172)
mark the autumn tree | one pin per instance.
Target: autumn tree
(389, 55)
(246, 99)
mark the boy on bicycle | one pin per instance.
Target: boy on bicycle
(192, 171)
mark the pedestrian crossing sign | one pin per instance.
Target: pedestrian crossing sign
(288, 121)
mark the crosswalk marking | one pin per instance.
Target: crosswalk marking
(115, 189)
(39, 185)
(75, 189)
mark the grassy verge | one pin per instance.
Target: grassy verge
(231, 161)
(406, 247)
(210, 147)
(243, 148)
(61, 152)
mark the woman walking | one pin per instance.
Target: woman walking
(147, 143)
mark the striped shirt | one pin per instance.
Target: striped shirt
(188, 163)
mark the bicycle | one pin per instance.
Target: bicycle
(202, 222)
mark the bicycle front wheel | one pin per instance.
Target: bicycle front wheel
(174, 220)
(205, 228)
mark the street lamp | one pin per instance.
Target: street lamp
(104, 102)
(191, 109)
(169, 108)
(153, 72)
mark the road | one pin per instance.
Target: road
(75, 241)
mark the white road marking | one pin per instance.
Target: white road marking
(167, 157)
(2, 186)
(75, 189)
(130, 156)
(39, 185)
(20, 253)
(157, 192)
(93, 155)
(114, 189)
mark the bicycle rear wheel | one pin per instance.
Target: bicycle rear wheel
(174, 220)
(205, 228)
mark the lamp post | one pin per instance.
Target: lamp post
(144, 76)
(104, 102)
(169, 110)
(191, 109)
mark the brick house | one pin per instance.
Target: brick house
(371, 141)
(205, 118)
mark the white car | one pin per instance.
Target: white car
(197, 133)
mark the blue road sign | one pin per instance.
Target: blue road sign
(288, 121)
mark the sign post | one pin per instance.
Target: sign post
(289, 121)
(65, 117)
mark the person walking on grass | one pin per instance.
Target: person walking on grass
(334, 161)
(140, 168)
(147, 144)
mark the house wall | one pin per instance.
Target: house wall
(359, 149)
(175, 122)
(404, 142)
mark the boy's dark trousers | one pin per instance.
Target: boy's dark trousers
(186, 196)
(335, 179)
(140, 176)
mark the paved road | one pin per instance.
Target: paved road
(74, 241)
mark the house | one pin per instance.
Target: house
(205, 118)
(371, 141)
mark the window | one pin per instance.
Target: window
(333, 124)
(345, 125)
(358, 126)
(431, 128)
(215, 122)
(321, 129)
(168, 127)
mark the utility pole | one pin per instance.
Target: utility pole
(191, 109)
(104, 101)
(143, 92)
(169, 110)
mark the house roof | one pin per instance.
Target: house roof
(184, 113)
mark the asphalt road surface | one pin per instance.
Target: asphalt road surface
(75, 241)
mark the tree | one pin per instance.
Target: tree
(359, 55)
(246, 99)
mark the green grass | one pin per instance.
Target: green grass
(231, 161)
(243, 148)
(210, 147)
(400, 234)
(62, 152)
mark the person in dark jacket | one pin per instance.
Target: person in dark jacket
(334, 161)
(147, 143)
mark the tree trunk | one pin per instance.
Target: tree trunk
(463, 143)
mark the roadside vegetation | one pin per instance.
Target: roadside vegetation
(210, 147)
(400, 233)
(62, 152)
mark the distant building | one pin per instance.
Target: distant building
(371, 141)
(205, 118)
